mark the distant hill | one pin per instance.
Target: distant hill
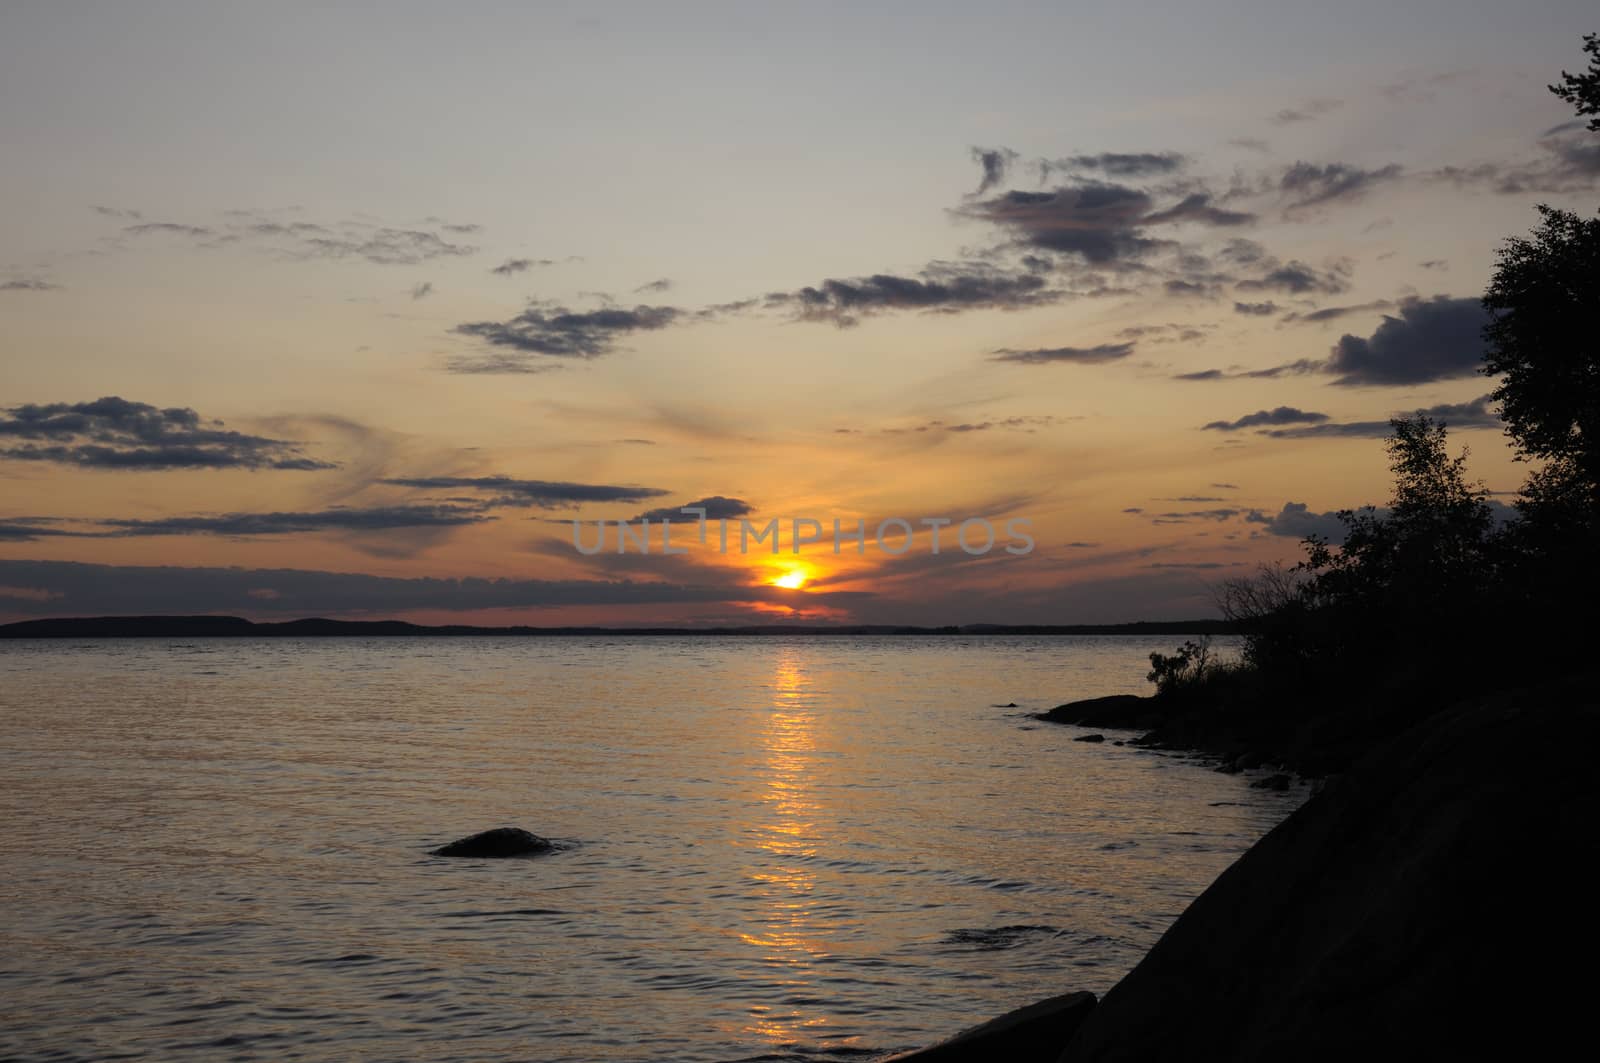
(208, 627)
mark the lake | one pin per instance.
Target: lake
(781, 848)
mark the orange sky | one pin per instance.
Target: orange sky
(424, 321)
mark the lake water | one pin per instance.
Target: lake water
(805, 849)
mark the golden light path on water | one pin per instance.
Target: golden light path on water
(789, 933)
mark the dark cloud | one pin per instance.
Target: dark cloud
(717, 507)
(941, 288)
(306, 240)
(1117, 164)
(1099, 222)
(117, 212)
(1266, 309)
(1297, 521)
(1569, 161)
(246, 525)
(662, 285)
(520, 265)
(558, 332)
(1296, 368)
(63, 588)
(1305, 184)
(1098, 355)
(1459, 415)
(167, 228)
(28, 285)
(1297, 278)
(995, 164)
(30, 529)
(422, 291)
(541, 494)
(1280, 415)
(1306, 112)
(1331, 313)
(1199, 208)
(113, 433)
(1429, 339)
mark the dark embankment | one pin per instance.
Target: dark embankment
(1314, 732)
(1428, 905)
(1433, 902)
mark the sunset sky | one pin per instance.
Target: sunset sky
(432, 280)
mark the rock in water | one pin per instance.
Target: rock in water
(1033, 1034)
(499, 843)
(1090, 738)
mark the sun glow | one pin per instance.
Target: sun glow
(794, 579)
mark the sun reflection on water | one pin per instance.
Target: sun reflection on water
(791, 933)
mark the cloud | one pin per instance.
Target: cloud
(940, 288)
(28, 284)
(1307, 185)
(1266, 309)
(540, 494)
(1429, 339)
(1474, 414)
(245, 525)
(30, 529)
(422, 291)
(513, 266)
(558, 332)
(1098, 355)
(166, 228)
(113, 433)
(1117, 164)
(1330, 313)
(1569, 161)
(1296, 368)
(64, 588)
(1280, 415)
(662, 285)
(1297, 521)
(995, 164)
(717, 507)
(1297, 278)
(1306, 112)
(1200, 209)
(1099, 222)
(380, 244)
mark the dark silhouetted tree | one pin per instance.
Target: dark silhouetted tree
(1544, 305)
(1583, 90)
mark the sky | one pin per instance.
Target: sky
(353, 309)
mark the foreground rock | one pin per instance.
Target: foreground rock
(1425, 905)
(1033, 1034)
(1115, 711)
(500, 843)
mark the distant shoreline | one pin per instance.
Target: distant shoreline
(114, 627)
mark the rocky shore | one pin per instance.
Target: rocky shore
(1427, 903)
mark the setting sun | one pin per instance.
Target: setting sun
(793, 580)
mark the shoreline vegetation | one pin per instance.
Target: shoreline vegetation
(123, 627)
(1423, 903)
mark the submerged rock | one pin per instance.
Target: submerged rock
(499, 843)
(1033, 1034)
(1090, 738)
